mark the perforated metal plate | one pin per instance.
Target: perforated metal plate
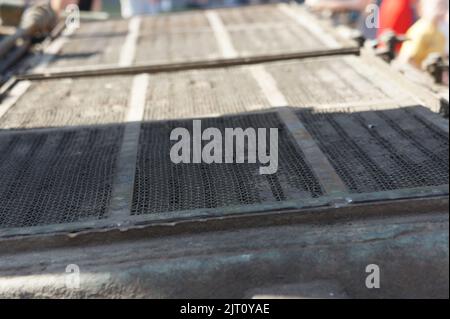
(56, 177)
(162, 186)
(383, 150)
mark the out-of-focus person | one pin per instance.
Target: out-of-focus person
(425, 36)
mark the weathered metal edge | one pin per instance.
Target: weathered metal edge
(311, 216)
(336, 201)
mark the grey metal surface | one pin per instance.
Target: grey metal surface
(243, 261)
(56, 176)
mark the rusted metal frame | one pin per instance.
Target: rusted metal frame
(183, 66)
(62, 237)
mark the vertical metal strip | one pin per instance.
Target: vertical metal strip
(123, 185)
(324, 171)
(221, 34)
(322, 168)
(13, 96)
(128, 51)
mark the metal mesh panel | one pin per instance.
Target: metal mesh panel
(383, 150)
(162, 186)
(56, 177)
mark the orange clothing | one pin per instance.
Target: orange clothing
(396, 15)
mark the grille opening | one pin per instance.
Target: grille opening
(381, 150)
(162, 186)
(58, 176)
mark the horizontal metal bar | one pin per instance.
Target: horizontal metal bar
(334, 202)
(183, 66)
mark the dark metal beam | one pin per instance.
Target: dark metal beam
(183, 66)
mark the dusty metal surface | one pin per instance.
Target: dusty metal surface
(244, 262)
(69, 102)
(202, 93)
(218, 91)
(94, 43)
(319, 83)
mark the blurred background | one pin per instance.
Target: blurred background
(412, 32)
